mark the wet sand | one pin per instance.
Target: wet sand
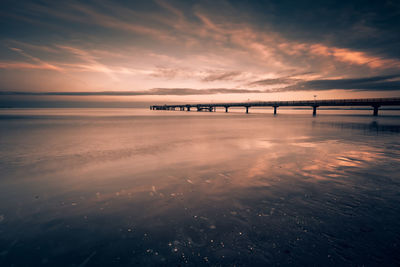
(87, 187)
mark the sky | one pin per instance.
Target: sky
(122, 53)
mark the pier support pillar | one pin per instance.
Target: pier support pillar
(188, 108)
(247, 110)
(376, 108)
(210, 109)
(314, 113)
(226, 109)
(275, 107)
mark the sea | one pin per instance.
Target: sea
(136, 187)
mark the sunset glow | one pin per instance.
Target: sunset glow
(199, 133)
(259, 52)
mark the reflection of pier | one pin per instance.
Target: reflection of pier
(375, 103)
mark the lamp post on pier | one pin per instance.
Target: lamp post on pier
(315, 106)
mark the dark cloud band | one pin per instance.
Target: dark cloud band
(155, 91)
(376, 83)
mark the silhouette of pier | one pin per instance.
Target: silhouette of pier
(375, 103)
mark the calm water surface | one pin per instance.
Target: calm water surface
(122, 187)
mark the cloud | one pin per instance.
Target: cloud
(38, 63)
(168, 73)
(24, 65)
(203, 75)
(221, 76)
(90, 64)
(154, 91)
(288, 79)
(171, 8)
(353, 57)
(283, 80)
(95, 15)
(85, 61)
(134, 45)
(190, 91)
(375, 83)
(43, 48)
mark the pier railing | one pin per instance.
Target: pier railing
(375, 103)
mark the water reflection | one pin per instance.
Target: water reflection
(201, 189)
(373, 126)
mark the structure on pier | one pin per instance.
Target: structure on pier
(375, 103)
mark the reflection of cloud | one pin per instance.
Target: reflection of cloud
(305, 144)
(259, 167)
(338, 163)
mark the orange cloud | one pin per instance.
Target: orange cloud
(353, 57)
(24, 65)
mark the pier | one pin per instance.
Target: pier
(375, 103)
